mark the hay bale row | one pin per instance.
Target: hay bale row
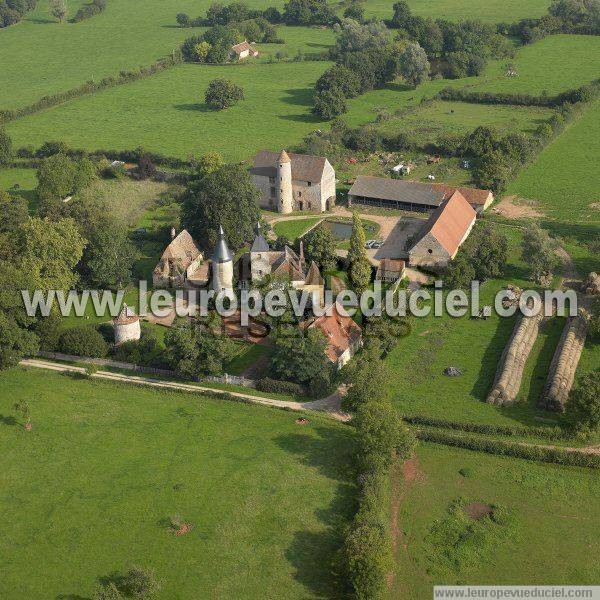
(564, 363)
(512, 363)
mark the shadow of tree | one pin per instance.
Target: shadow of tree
(8, 420)
(196, 106)
(491, 358)
(315, 554)
(71, 597)
(299, 96)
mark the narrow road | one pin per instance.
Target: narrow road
(330, 405)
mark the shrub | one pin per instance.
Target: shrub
(276, 386)
(83, 340)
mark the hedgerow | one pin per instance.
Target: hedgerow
(518, 450)
(89, 10)
(89, 87)
(552, 433)
(276, 386)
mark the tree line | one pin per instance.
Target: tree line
(12, 11)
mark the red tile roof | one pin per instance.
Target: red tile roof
(341, 332)
(450, 222)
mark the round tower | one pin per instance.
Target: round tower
(222, 265)
(127, 326)
(285, 196)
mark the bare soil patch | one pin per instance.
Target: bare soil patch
(478, 510)
(514, 207)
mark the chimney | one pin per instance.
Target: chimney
(173, 233)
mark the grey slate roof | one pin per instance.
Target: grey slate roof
(221, 253)
(304, 166)
(259, 244)
(395, 189)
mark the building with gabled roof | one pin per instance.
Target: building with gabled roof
(390, 270)
(289, 182)
(285, 265)
(180, 261)
(412, 196)
(342, 333)
(242, 50)
(443, 233)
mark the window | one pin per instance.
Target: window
(271, 179)
(273, 192)
(430, 251)
(299, 194)
(309, 183)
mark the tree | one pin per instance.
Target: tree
(299, 355)
(22, 408)
(183, 20)
(319, 245)
(48, 252)
(364, 376)
(146, 166)
(107, 592)
(224, 197)
(222, 93)
(83, 340)
(538, 250)
(583, 407)
(85, 174)
(58, 9)
(208, 163)
(385, 331)
(17, 338)
(330, 103)
(139, 583)
(489, 252)
(414, 66)
(5, 147)
(360, 267)
(108, 258)
(460, 272)
(13, 210)
(56, 177)
(339, 77)
(355, 11)
(595, 321)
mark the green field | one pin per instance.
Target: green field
(474, 346)
(20, 182)
(494, 11)
(565, 178)
(554, 64)
(86, 493)
(550, 508)
(167, 113)
(461, 118)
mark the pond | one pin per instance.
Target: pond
(343, 230)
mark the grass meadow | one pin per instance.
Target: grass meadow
(554, 64)
(550, 513)
(565, 178)
(166, 113)
(418, 385)
(492, 11)
(87, 492)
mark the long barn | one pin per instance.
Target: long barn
(412, 196)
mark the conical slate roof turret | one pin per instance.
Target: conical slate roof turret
(221, 253)
(259, 244)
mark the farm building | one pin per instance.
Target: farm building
(261, 262)
(390, 270)
(412, 195)
(242, 50)
(443, 233)
(289, 182)
(180, 263)
(343, 335)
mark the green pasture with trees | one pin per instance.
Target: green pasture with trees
(168, 456)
